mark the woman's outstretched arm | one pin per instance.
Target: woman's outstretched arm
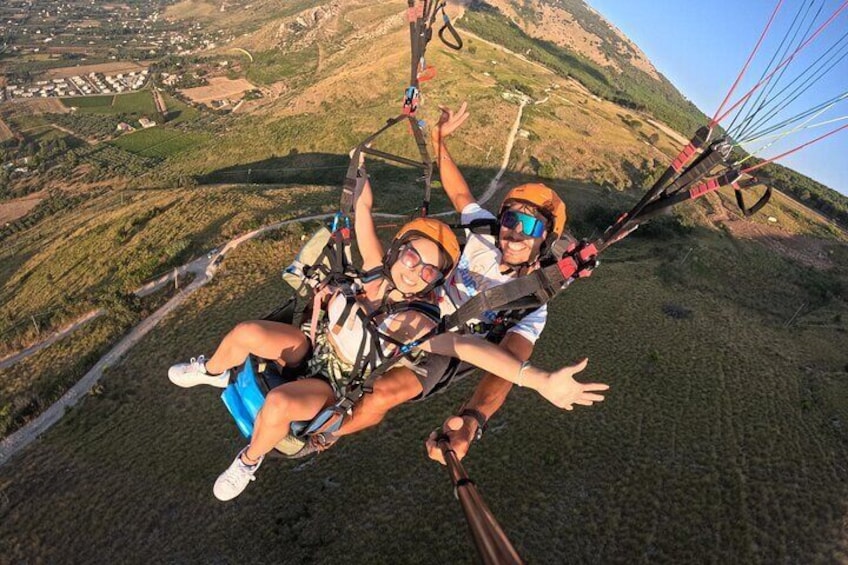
(558, 387)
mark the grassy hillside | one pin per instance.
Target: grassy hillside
(618, 75)
(630, 88)
(77, 249)
(713, 442)
(811, 193)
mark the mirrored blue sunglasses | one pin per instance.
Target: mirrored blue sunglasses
(531, 226)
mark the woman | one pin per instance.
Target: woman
(421, 256)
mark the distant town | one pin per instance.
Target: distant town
(77, 85)
(44, 34)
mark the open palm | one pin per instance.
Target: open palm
(563, 391)
(450, 121)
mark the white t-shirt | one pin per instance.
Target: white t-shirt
(478, 270)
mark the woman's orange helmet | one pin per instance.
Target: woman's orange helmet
(436, 231)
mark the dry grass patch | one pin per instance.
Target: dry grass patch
(6, 132)
(36, 107)
(105, 68)
(11, 210)
(191, 9)
(218, 89)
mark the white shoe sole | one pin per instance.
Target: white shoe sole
(188, 381)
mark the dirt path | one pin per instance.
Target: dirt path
(160, 102)
(467, 33)
(33, 349)
(675, 135)
(204, 268)
(494, 184)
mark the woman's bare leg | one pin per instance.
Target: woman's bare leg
(291, 402)
(269, 340)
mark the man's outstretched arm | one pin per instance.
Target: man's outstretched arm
(487, 399)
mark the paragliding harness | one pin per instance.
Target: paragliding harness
(331, 271)
(325, 262)
(570, 259)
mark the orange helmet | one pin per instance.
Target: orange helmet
(546, 201)
(434, 230)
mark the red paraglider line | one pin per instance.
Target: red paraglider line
(782, 64)
(713, 122)
(819, 138)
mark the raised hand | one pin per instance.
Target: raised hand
(363, 196)
(361, 163)
(561, 390)
(449, 122)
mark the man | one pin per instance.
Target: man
(531, 218)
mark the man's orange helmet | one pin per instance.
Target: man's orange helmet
(546, 201)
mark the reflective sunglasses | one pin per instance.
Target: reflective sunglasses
(410, 258)
(531, 226)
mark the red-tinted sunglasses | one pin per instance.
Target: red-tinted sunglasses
(410, 258)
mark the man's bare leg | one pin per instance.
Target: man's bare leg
(392, 389)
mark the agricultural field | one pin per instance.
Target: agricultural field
(137, 103)
(89, 103)
(140, 102)
(26, 122)
(219, 88)
(112, 68)
(178, 111)
(6, 133)
(159, 142)
(34, 107)
(24, 115)
(11, 210)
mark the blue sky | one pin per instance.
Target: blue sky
(701, 47)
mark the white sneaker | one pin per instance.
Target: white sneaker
(194, 373)
(235, 479)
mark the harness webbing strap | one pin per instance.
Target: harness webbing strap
(448, 26)
(390, 157)
(532, 290)
(426, 162)
(480, 226)
(716, 155)
(741, 185)
(693, 192)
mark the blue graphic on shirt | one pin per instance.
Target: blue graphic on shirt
(470, 285)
